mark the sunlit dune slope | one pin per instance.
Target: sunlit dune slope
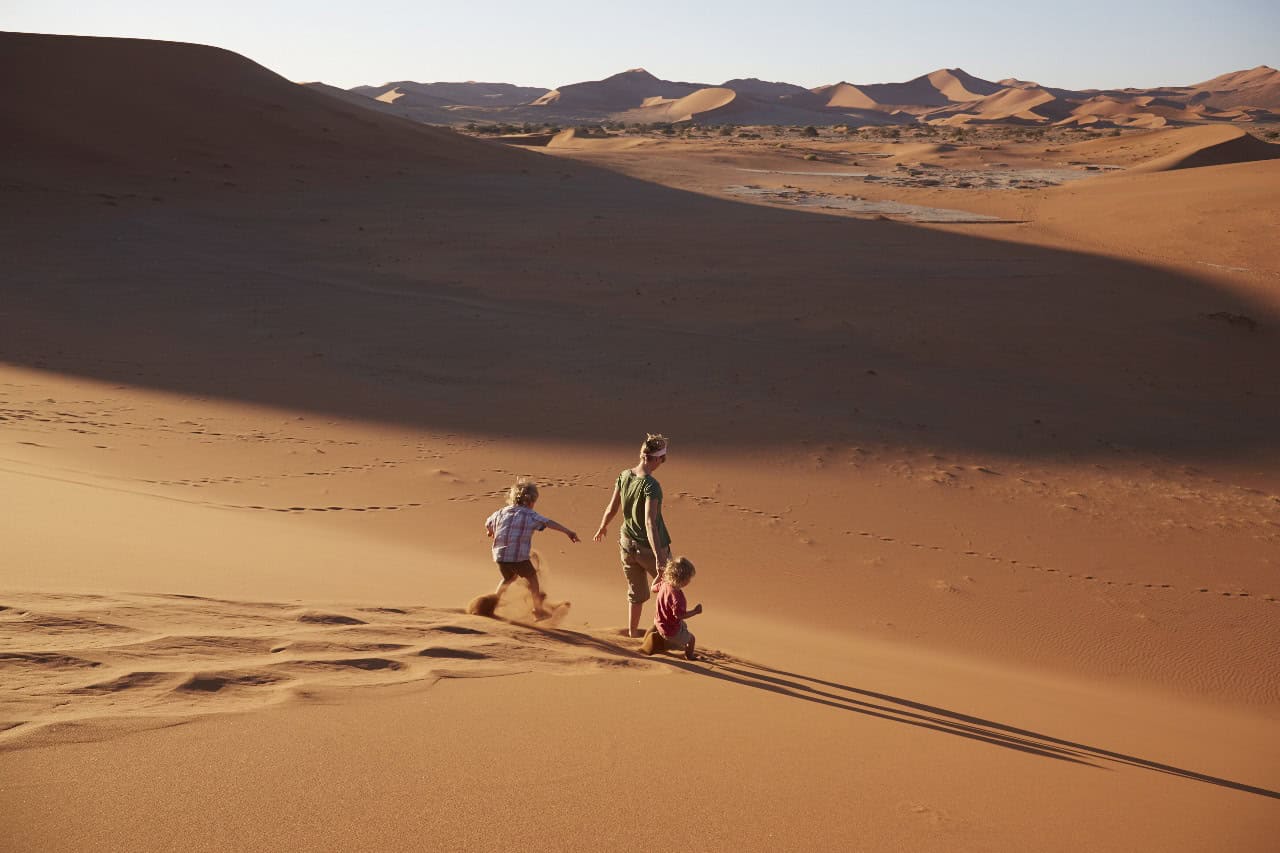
(1209, 146)
(1168, 149)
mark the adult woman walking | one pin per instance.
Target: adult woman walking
(643, 539)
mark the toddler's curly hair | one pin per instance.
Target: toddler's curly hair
(523, 493)
(678, 571)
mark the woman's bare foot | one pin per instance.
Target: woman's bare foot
(635, 633)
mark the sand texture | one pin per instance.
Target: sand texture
(985, 510)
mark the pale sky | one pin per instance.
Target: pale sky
(1081, 44)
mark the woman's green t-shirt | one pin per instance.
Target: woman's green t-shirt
(634, 490)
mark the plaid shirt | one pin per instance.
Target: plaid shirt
(512, 528)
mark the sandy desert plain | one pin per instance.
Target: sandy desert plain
(985, 507)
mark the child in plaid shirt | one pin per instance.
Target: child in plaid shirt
(511, 529)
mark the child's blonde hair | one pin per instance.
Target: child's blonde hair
(678, 571)
(523, 493)
(654, 442)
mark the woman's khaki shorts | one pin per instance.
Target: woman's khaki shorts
(640, 566)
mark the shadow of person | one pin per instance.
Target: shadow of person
(897, 709)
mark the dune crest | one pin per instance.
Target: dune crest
(223, 114)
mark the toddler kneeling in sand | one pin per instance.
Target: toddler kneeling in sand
(511, 529)
(670, 611)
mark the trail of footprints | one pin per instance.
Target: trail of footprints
(79, 421)
(93, 663)
(706, 500)
(1077, 576)
(544, 481)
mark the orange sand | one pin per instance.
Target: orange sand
(986, 515)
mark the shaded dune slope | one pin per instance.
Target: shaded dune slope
(151, 106)
(401, 298)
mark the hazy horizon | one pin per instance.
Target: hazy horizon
(1098, 46)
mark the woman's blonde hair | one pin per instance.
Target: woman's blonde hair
(653, 443)
(678, 571)
(523, 493)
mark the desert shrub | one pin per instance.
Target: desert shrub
(809, 131)
(726, 130)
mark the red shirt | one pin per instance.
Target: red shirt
(669, 609)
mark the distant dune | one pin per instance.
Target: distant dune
(949, 96)
(624, 91)
(470, 93)
(700, 104)
(1256, 87)
(846, 95)
(1208, 146)
(570, 138)
(1031, 105)
(936, 89)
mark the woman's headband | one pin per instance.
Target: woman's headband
(657, 453)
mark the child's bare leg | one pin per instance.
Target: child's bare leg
(688, 650)
(538, 595)
(634, 629)
(502, 587)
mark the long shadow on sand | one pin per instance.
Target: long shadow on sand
(843, 697)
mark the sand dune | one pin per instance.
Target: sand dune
(1188, 148)
(702, 104)
(846, 95)
(1256, 87)
(241, 111)
(757, 88)
(1029, 105)
(1244, 96)
(620, 92)
(724, 105)
(571, 138)
(1201, 194)
(984, 515)
(470, 93)
(396, 95)
(936, 89)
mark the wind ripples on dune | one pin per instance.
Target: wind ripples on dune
(71, 675)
